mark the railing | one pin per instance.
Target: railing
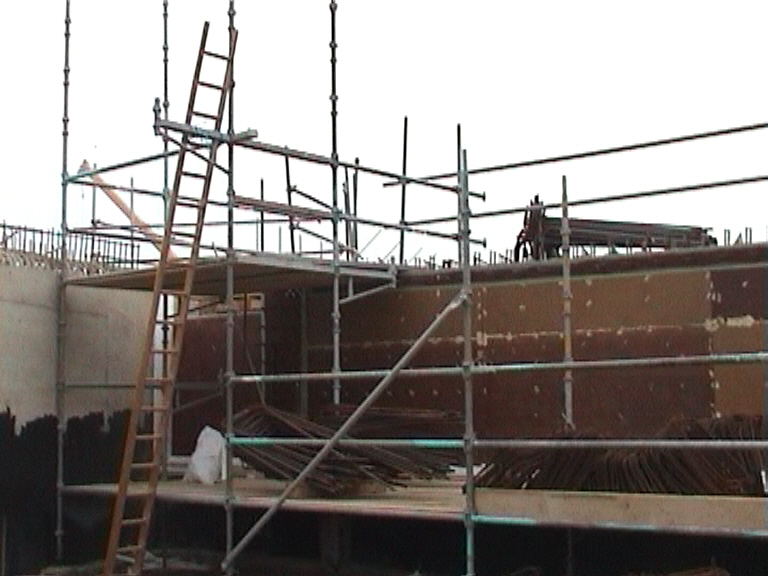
(92, 248)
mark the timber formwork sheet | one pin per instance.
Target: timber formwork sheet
(442, 501)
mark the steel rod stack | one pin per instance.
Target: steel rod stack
(347, 469)
(644, 469)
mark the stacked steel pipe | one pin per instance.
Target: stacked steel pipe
(347, 468)
(644, 470)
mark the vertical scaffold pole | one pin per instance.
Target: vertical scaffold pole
(458, 173)
(764, 430)
(230, 327)
(166, 103)
(167, 449)
(336, 314)
(354, 207)
(466, 325)
(567, 299)
(289, 190)
(61, 324)
(261, 217)
(402, 191)
(166, 195)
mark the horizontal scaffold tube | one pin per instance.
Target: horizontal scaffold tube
(324, 160)
(122, 165)
(517, 443)
(599, 152)
(479, 370)
(605, 199)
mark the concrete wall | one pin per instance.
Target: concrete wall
(104, 332)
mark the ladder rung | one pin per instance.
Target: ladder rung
(157, 380)
(136, 495)
(126, 560)
(181, 263)
(193, 175)
(205, 115)
(153, 408)
(142, 465)
(133, 521)
(169, 351)
(128, 549)
(209, 85)
(188, 201)
(148, 437)
(215, 55)
(183, 234)
(169, 321)
(172, 292)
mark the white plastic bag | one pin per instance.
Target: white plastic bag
(205, 464)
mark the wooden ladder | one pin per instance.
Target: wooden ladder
(142, 457)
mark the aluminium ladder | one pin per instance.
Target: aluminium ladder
(142, 456)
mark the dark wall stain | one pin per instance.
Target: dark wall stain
(92, 449)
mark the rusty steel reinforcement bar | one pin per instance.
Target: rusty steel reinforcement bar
(517, 367)
(344, 429)
(324, 160)
(522, 443)
(600, 152)
(606, 199)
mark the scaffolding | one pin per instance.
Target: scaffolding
(346, 263)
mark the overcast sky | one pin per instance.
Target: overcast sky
(524, 80)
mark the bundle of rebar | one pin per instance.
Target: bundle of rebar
(383, 422)
(345, 469)
(642, 470)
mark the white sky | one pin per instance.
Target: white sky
(525, 80)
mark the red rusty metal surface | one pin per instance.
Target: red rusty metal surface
(738, 389)
(203, 360)
(609, 402)
(740, 292)
(645, 305)
(610, 265)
